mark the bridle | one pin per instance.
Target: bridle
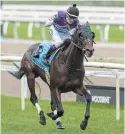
(83, 52)
(80, 46)
(79, 43)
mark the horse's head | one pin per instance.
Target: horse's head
(84, 38)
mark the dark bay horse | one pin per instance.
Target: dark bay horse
(66, 73)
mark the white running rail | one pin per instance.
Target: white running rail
(38, 14)
(115, 74)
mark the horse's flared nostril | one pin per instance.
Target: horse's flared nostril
(89, 53)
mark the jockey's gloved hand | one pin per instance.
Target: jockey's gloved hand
(53, 47)
(50, 21)
(72, 31)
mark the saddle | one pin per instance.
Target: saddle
(41, 58)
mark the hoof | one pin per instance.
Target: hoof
(52, 116)
(60, 113)
(59, 125)
(83, 125)
(42, 118)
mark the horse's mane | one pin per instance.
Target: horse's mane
(65, 44)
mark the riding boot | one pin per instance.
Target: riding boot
(51, 50)
(36, 53)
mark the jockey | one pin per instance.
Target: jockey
(62, 26)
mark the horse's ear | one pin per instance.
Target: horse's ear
(93, 35)
(87, 24)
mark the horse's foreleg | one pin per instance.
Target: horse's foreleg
(33, 98)
(88, 97)
(53, 108)
(56, 97)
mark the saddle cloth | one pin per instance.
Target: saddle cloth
(40, 61)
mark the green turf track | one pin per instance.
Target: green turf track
(115, 34)
(102, 121)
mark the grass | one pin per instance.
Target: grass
(115, 34)
(15, 121)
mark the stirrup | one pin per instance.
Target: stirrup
(36, 56)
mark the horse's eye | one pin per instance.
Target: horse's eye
(81, 35)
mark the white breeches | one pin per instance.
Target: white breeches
(58, 37)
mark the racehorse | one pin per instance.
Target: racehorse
(66, 73)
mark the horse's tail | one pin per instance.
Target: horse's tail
(18, 74)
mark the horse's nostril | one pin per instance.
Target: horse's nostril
(87, 52)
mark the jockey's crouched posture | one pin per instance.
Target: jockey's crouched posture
(62, 26)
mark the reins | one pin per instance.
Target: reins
(75, 69)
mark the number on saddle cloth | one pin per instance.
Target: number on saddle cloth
(45, 48)
(40, 61)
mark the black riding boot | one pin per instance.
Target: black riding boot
(51, 50)
(37, 52)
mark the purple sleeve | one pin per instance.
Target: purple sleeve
(77, 23)
(59, 16)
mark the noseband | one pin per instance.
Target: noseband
(78, 46)
(83, 50)
(78, 42)
(80, 31)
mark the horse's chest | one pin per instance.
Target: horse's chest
(72, 81)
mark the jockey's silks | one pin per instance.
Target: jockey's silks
(61, 24)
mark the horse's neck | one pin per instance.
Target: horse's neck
(73, 57)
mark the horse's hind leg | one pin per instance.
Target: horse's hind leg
(54, 112)
(33, 98)
(82, 91)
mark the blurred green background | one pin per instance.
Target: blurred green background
(115, 34)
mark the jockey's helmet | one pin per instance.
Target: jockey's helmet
(72, 14)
